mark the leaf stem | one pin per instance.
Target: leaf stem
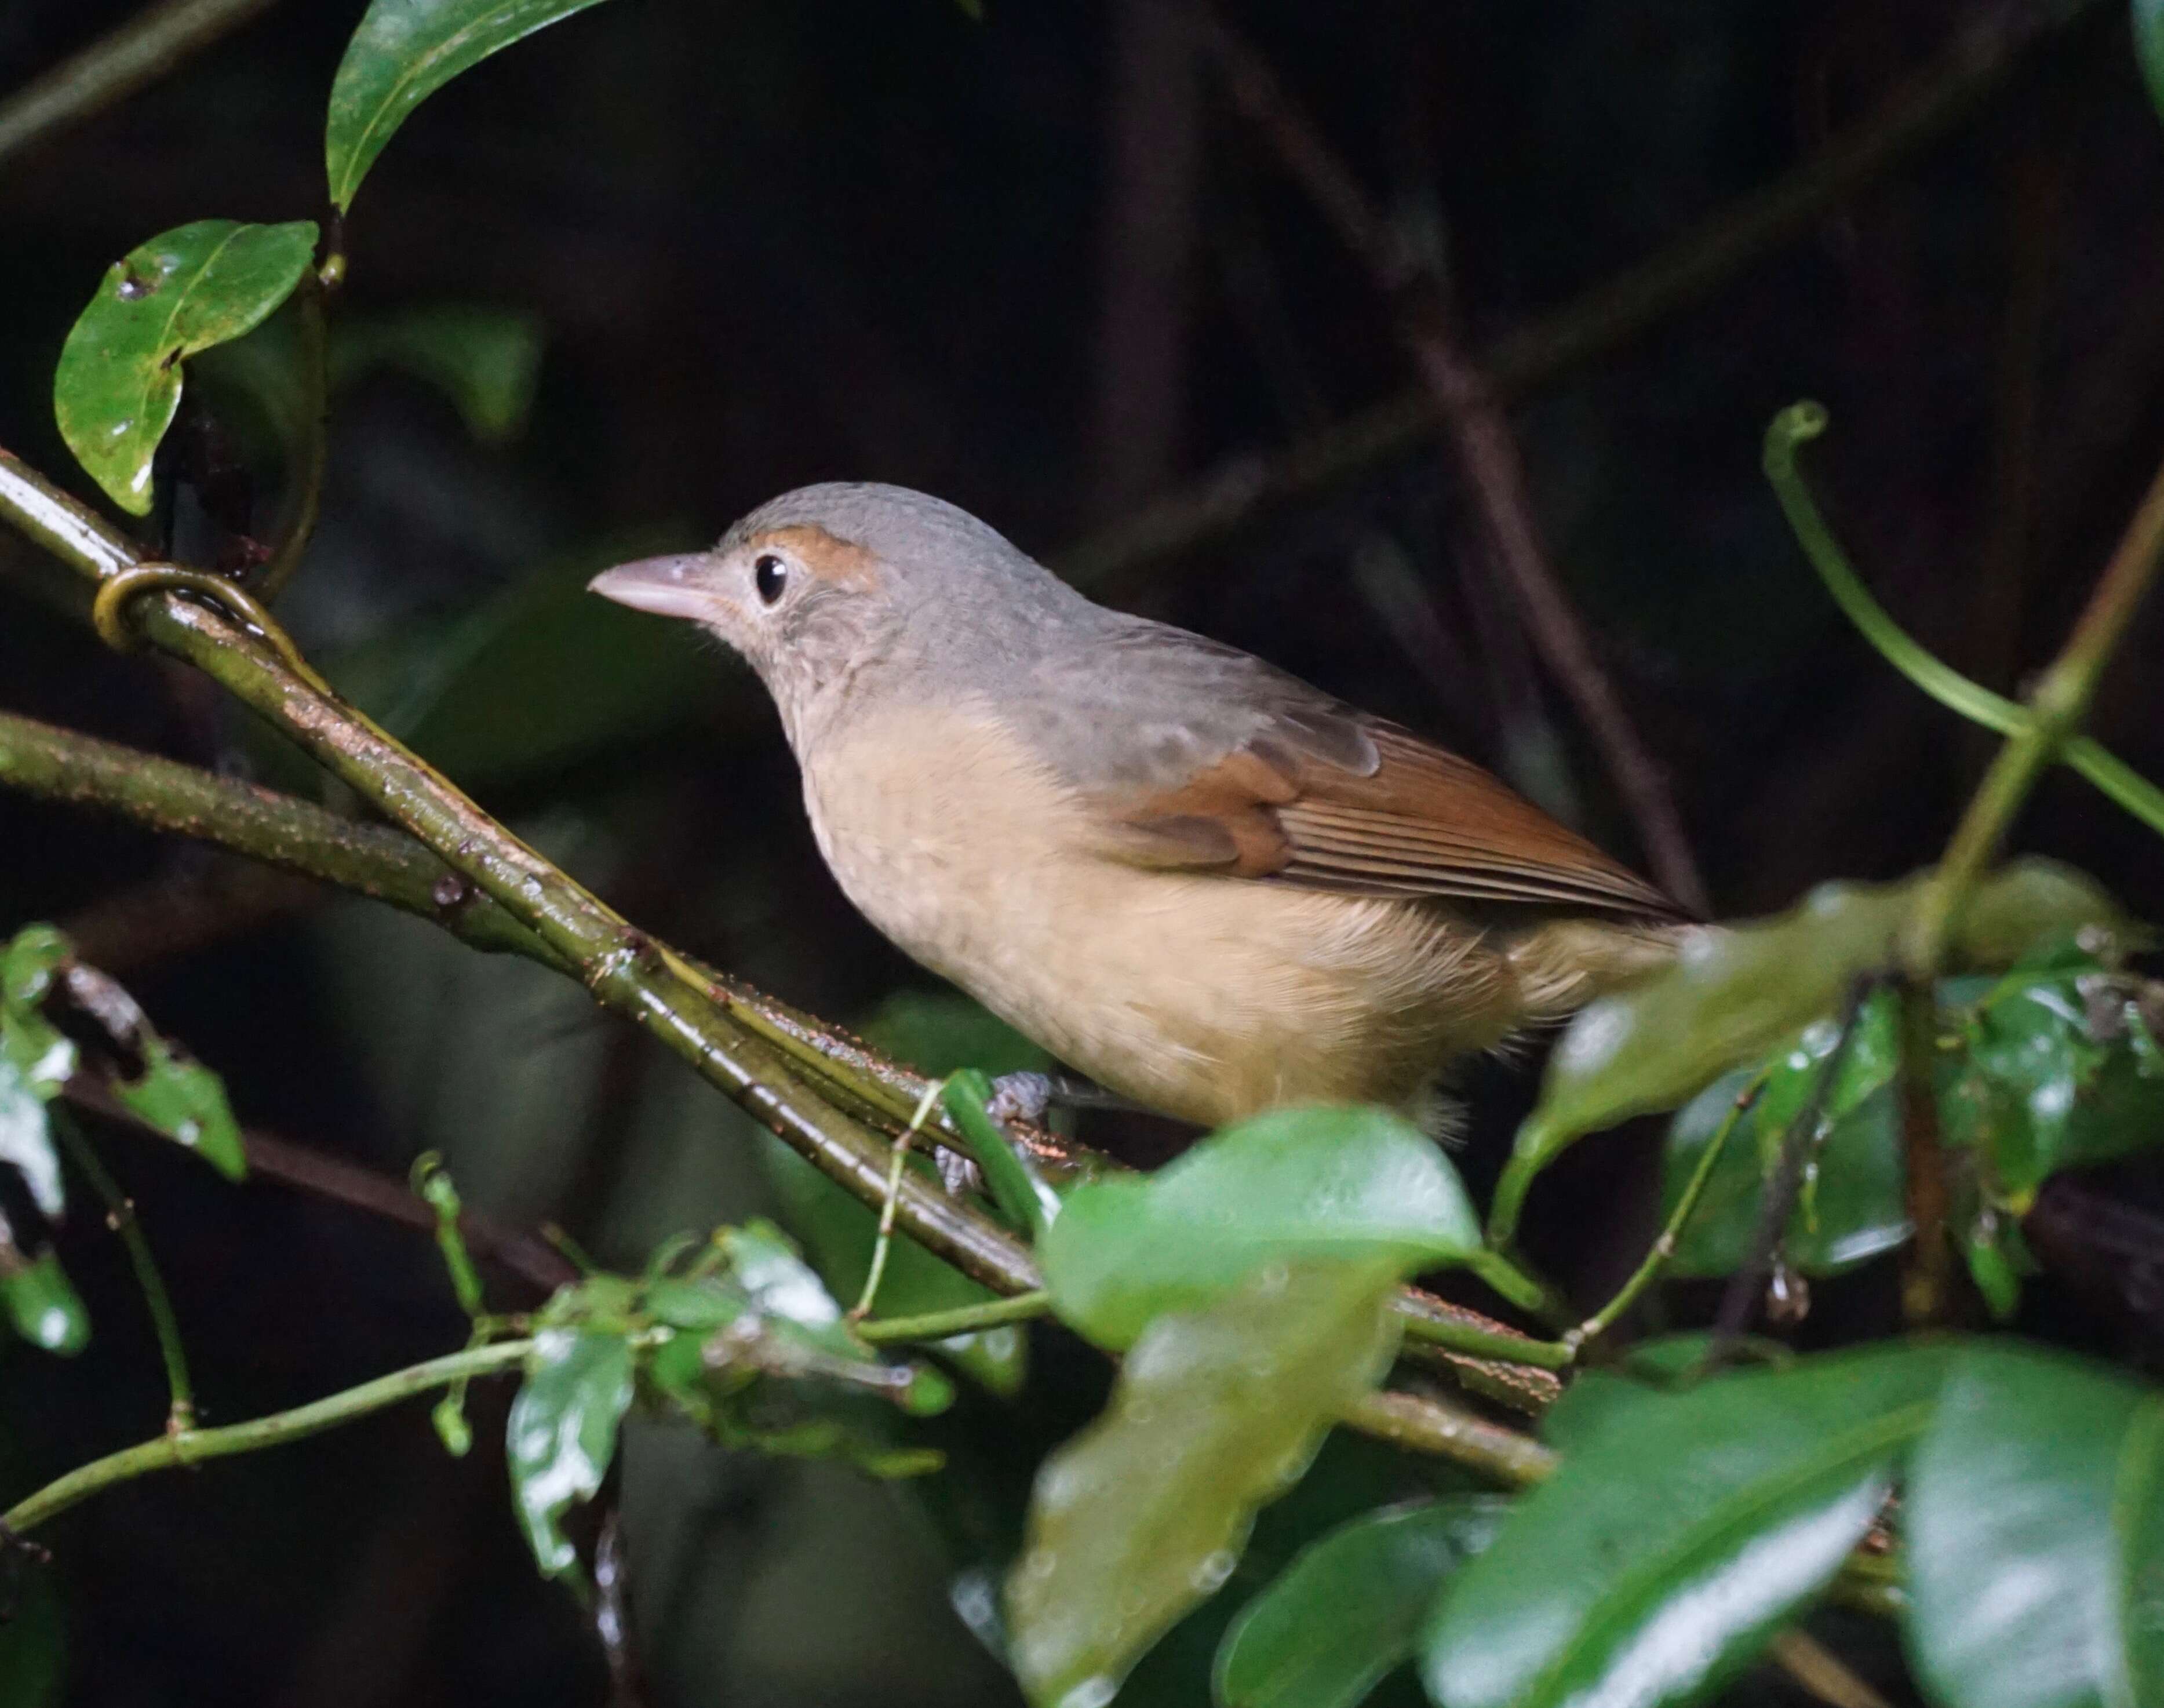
(963, 1319)
(1778, 1202)
(120, 1216)
(1489, 1343)
(1664, 1247)
(193, 1446)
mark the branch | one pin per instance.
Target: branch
(139, 52)
(1603, 319)
(306, 1170)
(2055, 707)
(193, 1446)
(391, 867)
(1487, 451)
(624, 970)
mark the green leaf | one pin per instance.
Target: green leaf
(1022, 1196)
(402, 53)
(1850, 1208)
(2149, 48)
(1736, 992)
(437, 1188)
(1676, 1539)
(118, 382)
(26, 1139)
(562, 1433)
(27, 966)
(1650, 1371)
(1294, 1186)
(2035, 1517)
(42, 1303)
(1145, 1513)
(186, 1101)
(838, 1230)
(2057, 1068)
(486, 360)
(1349, 1606)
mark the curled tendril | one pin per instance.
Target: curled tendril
(117, 594)
(1796, 426)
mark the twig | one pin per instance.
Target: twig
(2055, 707)
(1821, 1672)
(1778, 1202)
(1487, 451)
(1604, 318)
(611, 1612)
(1795, 427)
(141, 50)
(194, 1446)
(623, 969)
(120, 1216)
(391, 867)
(273, 1159)
(963, 1319)
(1927, 1261)
(1664, 1247)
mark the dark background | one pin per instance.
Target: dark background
(765, 243)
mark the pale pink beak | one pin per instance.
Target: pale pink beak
(667, 586)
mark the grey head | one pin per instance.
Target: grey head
(836, 591)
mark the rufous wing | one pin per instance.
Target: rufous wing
(1421, 821)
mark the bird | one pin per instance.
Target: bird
(1187, 875)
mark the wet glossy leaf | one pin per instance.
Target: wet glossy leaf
(118, 382)
(562, 1433)
(1677, 1537)
(1145, 1513)
(26, 1139)
(1851, 1206)
(186, 1101)
(1736, 991)
(42, 1303)
(2035, 1516)
(1294, 1186)
(1024, 1198)
(486, 360)
(27, 966)
(838, 1230)
(1649, 1372)
(402, 53)
(2056, 1069)
(1348, 1608)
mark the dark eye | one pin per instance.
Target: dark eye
(770, 575)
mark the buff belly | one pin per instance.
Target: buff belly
(1206, 997)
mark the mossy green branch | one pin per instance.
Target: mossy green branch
(624, 970)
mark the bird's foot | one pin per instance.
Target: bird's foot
(959, 1174)
(1021, 1097)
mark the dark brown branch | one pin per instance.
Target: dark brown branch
(1487, 451)
(525, 1255)
(1606, 317)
